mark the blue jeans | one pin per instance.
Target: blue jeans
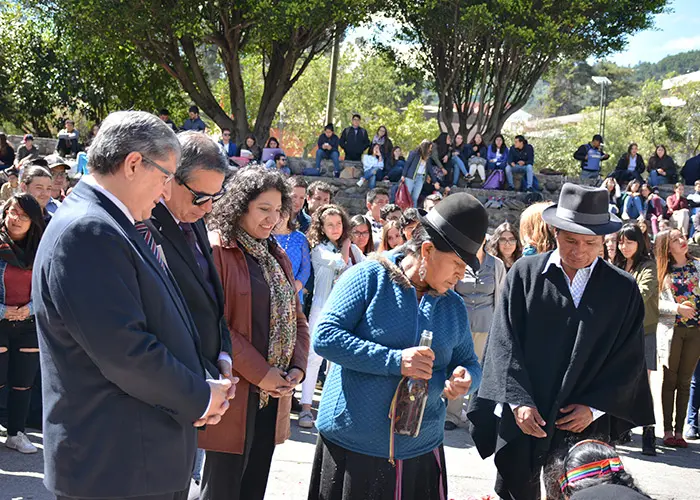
(633, 206)
(334, 156)
(655, 178)
(590, 174)
(519, 169)
(694, 401)
(415, 186)
(457, 168)
(371, 176)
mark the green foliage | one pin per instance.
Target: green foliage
(678, 64)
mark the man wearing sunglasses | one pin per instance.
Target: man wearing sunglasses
(178, 225)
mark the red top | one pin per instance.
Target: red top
(18, 286)
(674, 203)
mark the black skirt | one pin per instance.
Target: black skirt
(340, 474)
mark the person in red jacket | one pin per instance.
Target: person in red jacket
(678, 209)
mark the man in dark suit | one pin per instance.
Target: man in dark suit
(124, 381)
(179, 227)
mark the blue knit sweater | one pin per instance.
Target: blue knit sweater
(371, 315)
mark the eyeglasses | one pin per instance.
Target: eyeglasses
(360, 233)
(168, 174)
(201, 198)
(507, 241)
(18, 216)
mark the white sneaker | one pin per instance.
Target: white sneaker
(306, 420)
(3, 431)
(21, 443)
(361, 182)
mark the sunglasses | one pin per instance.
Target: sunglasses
(201, 198)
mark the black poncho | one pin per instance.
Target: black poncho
(546, 353)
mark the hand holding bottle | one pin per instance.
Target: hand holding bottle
(417, 362)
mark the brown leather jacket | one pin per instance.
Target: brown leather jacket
(249, 365)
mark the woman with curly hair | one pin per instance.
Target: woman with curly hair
(332, 253)
(589, 464)
(391, 236)
(269, 334)
(505, 244)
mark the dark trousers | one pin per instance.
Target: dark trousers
(244, 477)
(18, 369)
(165, 496)
(694, 402)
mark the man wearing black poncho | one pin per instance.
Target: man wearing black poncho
(565, 355)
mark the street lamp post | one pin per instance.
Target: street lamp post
(604, 83)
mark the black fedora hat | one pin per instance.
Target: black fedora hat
(582, 210)
(458, 223)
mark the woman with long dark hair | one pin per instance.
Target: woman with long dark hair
(296, 247)
(20, 234)
(440, 157)
(678, 333)
(497, 154)
(633, 256)
(505, 244)
(477, 158)
(269, 334)
(332, 253)
(361, 234)
(460, 152)
(385, 146)
(417, 168)
(632, 203)
(7, 153)
(251, 144)
(630, 166)
(662, 168)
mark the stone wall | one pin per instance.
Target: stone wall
(46, 145)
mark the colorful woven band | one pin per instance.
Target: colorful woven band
(595, 469)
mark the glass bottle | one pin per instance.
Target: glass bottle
(411, 397)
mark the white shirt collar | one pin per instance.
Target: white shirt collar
(91, 181)
(177, 221)
(555, 260)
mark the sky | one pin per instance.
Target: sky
(675, 31)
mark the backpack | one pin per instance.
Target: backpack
(495, 180)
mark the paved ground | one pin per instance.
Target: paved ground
(673, 475)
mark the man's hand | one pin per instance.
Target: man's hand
(660, 171)
(275, 383)
(417, 362)
(577, 420)
(218, 404)
(530, 421)
(458, 384)
(227, 372)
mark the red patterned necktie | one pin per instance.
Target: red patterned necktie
(150, 242)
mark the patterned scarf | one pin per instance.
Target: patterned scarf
(283, 317)
(10, 252)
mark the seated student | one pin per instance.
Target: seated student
(630, 166)
(27, 149)
(613, 189)
(477, 158)
(194, 122)
(270, 151)
(661, 167)
(250, 149)
(460, 154)
(164, 115)
(372, 164)
(327, 150)
(68, 145)
(7, 153)
(280, 163)
(591, 157)
(393, 173)
(678, 209)
(691, 170)
(229, 147)
(386, 146)
(11, 187)
(632, 203)
(497, 154)
(521, 159)
(589, 464)
(390, 212)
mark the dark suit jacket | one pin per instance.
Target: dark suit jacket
(121, 366)
(206, 310)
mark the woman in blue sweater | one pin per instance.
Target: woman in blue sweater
(369, 330)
